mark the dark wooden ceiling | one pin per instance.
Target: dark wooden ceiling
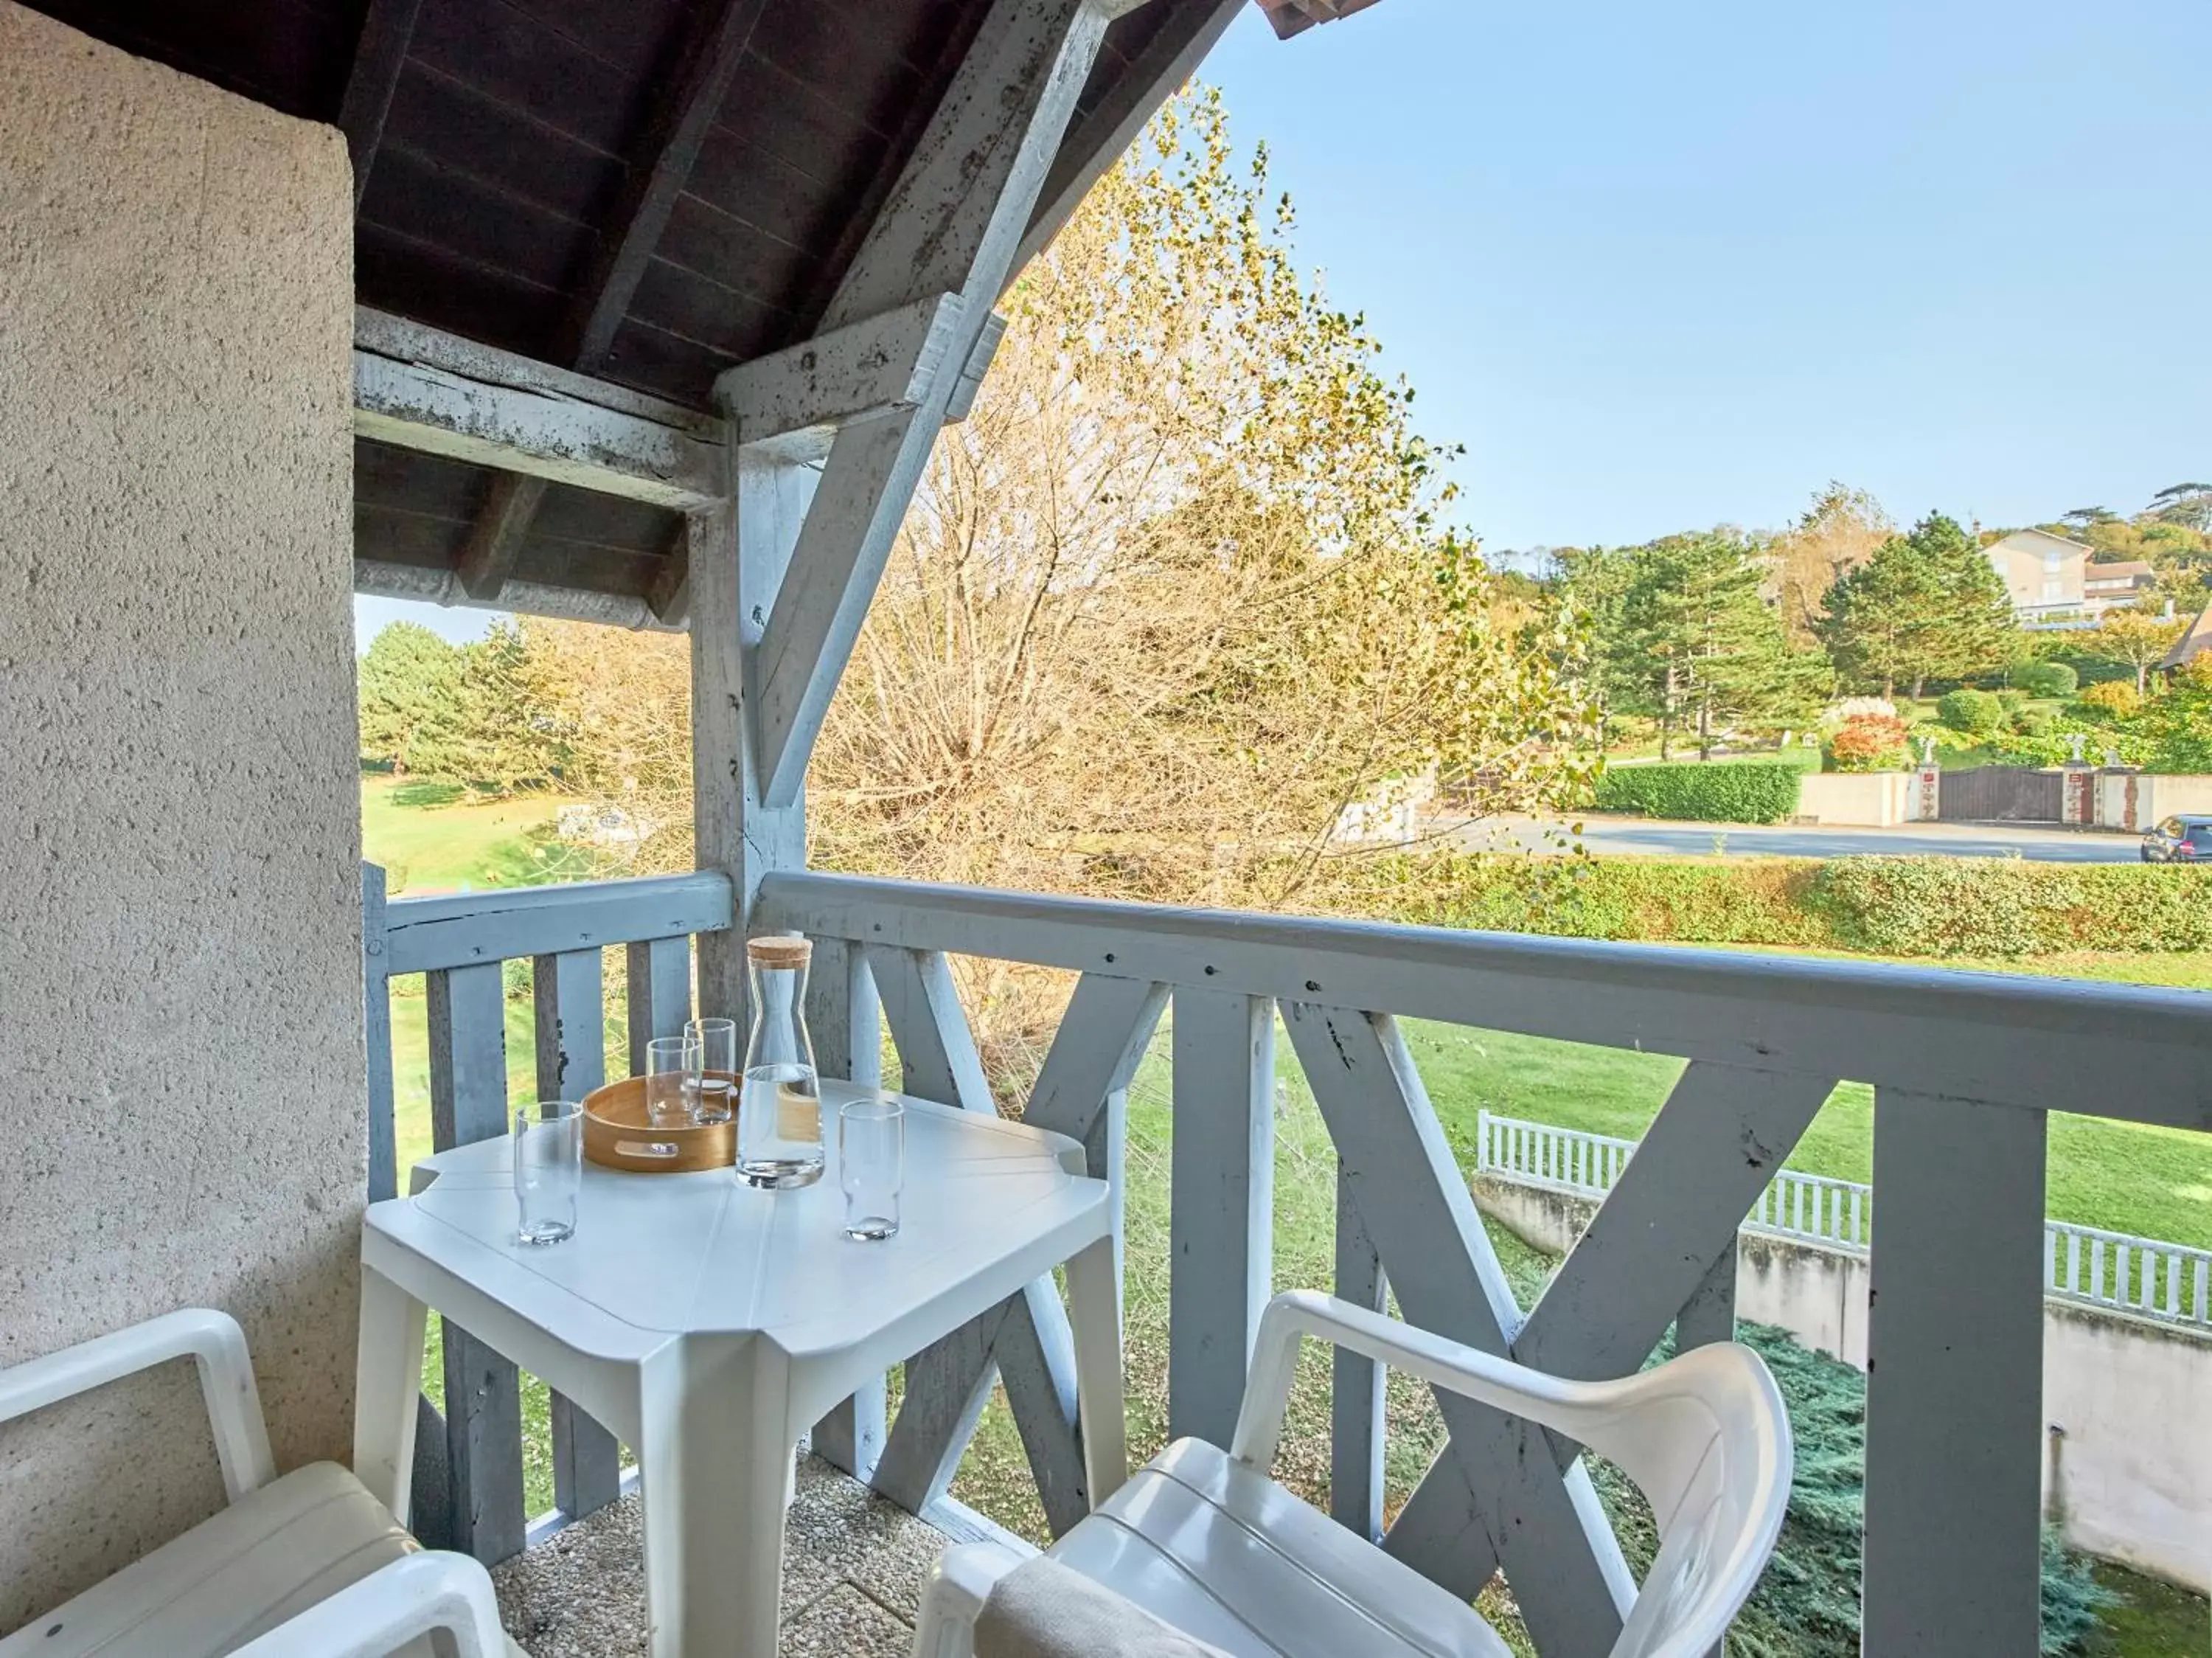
(507, 176)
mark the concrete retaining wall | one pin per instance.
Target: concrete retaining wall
(1873, 798)
(2127, 1465)
(2135, 799)
(183, 1114)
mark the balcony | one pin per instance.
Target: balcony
(1965, 1068)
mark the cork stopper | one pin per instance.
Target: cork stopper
(780, 950)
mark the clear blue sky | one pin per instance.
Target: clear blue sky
(1664, 266)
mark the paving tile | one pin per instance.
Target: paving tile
(851, 1562)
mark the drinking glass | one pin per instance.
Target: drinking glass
(671, 1063)
(872, 1166)
(718, 1067)
(549, 1169)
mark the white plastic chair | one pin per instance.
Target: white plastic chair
(309, 1565)
(1206, 1542)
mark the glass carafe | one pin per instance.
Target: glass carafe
(780, 1106)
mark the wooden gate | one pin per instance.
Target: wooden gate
(2001, 794)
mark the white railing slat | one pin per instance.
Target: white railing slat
(1839, 1213)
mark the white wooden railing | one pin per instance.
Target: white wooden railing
(1794, 1205)
(2147, 1276)
(2166, 1281)
(1964, 1068)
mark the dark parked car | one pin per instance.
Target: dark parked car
(2180, 840)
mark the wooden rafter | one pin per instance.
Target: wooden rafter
(378, 57)
(1184, 32)
(656, 176)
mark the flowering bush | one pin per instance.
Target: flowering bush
(2115, 699)
(1856, 708)
(1868, 742)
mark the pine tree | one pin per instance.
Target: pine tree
(409, 695)
(1927, 605)
(1713, 653)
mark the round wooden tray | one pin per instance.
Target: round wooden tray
(618, 1135)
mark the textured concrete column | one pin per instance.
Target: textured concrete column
(181, 1084)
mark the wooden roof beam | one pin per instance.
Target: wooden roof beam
(951, 225)
(1186, 31)
(419, 388)
(877, 365)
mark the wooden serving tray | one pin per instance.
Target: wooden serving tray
(618, 1135)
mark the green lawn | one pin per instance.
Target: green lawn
(2124, 1177)
(437, 838)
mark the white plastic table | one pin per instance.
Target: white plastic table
(708, 1325)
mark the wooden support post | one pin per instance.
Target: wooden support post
(1221, 1221)
(1356, 1419)
(659, 994)
(484, 1401)
(1954, 1380)
(376, 1034)
(738, 560)
(571, 1022)
(842, 1018)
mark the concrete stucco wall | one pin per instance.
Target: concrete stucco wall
(2128, 1473)
(181, 1094)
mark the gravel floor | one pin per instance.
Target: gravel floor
(853, 1571)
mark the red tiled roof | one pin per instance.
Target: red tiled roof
(1294, 17)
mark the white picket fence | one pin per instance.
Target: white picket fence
(2160, 1280)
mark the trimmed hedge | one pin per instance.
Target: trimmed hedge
(1713, 791)
(1910, 906)
(1977, 713)
(2044, 679)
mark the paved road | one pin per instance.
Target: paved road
(1630, 836)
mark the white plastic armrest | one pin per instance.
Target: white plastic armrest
(1435, 1359)
(953, 1598)
(210, 1339)
(391, 1607)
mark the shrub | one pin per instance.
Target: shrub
(1715, 791)
(2045, 679)
(1870, 742)
(1923, 906)
(2110, 699)
(2008, 906)
(1975, 712)
(2012, 699)
(2034, 722)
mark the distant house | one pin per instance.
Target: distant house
(2044, 573)
(2107, 587)
(2053, 584)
